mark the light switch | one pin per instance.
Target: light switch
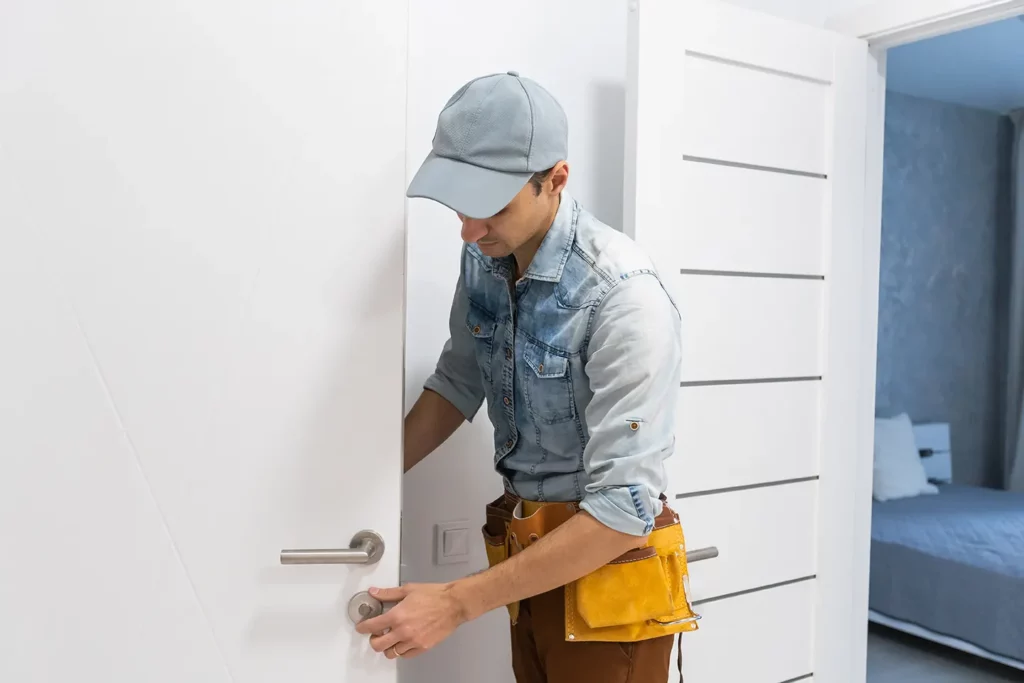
(451, 541)
(455, 542)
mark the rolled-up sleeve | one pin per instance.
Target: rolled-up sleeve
(633, 365)
(457, 376)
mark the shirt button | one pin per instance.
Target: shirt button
(508, 444)
(508, 401)
(508, 354)
(476, 330)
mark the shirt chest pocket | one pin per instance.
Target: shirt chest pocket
(481, 326)
(547, 385)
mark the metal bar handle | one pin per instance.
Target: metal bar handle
(702, 554)
(367, 547)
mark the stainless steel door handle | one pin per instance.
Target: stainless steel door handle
(702, 554)
(367, 547)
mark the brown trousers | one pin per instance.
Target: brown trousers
(541, 654)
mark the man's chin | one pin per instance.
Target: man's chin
(492, 249)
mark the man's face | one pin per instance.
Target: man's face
(518, 223)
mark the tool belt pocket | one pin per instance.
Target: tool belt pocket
(640, 595)
(630, 589)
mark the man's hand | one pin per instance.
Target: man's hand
(426, 614)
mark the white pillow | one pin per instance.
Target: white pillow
(898, 472)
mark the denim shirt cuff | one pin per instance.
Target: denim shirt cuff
(627, 509)
(463, 401)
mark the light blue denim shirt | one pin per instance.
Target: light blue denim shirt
(579, 361)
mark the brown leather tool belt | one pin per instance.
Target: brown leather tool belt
(639, 595)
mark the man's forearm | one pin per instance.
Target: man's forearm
(428, 425)
(574, 549)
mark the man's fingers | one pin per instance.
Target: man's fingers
(384, 643)
(383, 622)
(376, 625)
(401, 623)
(390, 594)
(402, 650)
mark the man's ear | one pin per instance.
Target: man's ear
(559, 177)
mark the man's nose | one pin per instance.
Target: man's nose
(473, 230)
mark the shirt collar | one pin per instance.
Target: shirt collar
(549, 261)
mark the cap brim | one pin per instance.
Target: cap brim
(471, 190)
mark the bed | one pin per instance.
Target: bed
(950, 568)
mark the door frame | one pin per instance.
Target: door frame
(885, 24)
(888, 23)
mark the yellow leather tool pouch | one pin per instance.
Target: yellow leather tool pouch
(639, 575)
(640, 595)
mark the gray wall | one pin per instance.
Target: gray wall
(942, 301)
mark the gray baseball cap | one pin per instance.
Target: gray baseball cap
(492, 136)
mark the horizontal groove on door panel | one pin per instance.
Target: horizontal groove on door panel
(792, 133)
(758, 589)
(741, 273)
(746, 487)
(745, 434)
(762, 380)
(755, 67)
(764, 222)
(744, 328)
(749, 528)
(800, 678)
(753, 167)
(771, 630)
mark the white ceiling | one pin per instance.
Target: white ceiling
(981, 67)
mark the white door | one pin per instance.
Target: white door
(746, 177)
(201, 320)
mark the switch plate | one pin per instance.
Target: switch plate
(451, 542)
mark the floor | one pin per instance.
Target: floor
(895, 657)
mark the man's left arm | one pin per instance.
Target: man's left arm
(633, 366)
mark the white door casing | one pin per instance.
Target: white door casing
(202, 292)
(888, 23)
(745, 178)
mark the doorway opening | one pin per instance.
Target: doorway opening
(944, 128)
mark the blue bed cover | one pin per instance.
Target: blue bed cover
(953, 563)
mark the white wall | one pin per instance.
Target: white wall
(837, 7)
(819, 12)
(812, 12)
(576, 49)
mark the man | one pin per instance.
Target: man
(563, 325)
